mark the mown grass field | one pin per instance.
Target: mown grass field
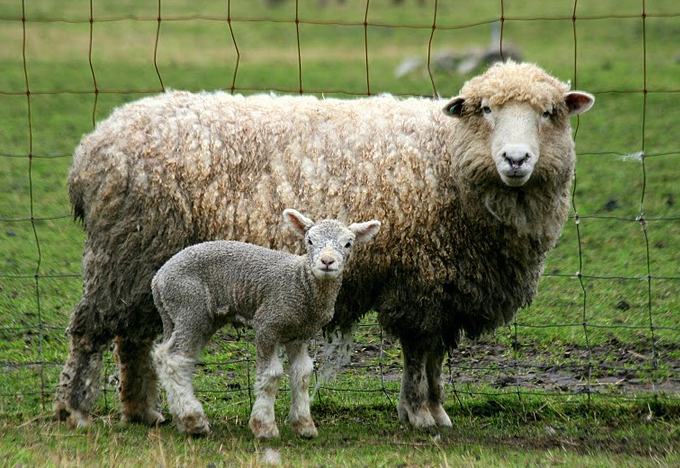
(589, 375)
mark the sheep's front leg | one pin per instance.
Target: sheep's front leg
(413, 406)
(434, 361)
(269, 371)
(301, 366)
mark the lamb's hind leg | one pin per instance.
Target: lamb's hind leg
(413, 406)
(138, 381)
(176, 369)
(434, 361)
(301, 367)
(80, 380)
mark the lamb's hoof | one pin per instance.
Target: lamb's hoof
(195, 424)
(419, 419)
(262, 430)
(74, 419)
(150, 418)
(305, 428)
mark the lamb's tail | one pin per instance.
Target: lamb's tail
(336, 353)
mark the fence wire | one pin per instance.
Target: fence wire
(630, 362)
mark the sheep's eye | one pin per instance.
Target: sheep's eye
(348, 245)
(547, 114)
(486, 109)
(309, 242)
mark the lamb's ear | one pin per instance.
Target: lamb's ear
(365, 231)
(454, 107)
(298, 223)
(578, 102)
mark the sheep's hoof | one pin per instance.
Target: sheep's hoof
(419, 419)
(305, 428)
(440, 416)
(262, 430)
(195, 424)
(149, 418)
(74, 419)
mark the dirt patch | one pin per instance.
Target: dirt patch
(613, 368)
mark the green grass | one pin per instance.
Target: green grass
(588, 376)
(496, 433)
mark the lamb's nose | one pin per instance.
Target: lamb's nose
(327, 261)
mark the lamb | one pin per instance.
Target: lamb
(285, 298)
(471, 200)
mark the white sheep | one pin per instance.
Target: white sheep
(471, 200)
(285, 298)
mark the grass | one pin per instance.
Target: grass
(588, 376)
(497, 434)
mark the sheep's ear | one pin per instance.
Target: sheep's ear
(298, 223)
(454, 107)
(578, 102)
(365, 231)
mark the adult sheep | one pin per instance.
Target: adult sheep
(471, 200)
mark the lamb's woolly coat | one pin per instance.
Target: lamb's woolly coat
(285, 298)
(460, 251)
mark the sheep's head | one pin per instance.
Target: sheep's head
(518, 111)
(329, 242)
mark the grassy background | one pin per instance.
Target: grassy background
(606, 315)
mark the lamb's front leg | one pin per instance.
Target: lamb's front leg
(301, 366)
(269, 371)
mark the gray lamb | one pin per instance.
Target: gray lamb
(285, 298)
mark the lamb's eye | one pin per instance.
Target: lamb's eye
(348, 245)
(309, 241)
(486, 109)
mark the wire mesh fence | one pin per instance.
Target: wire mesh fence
(605, 322)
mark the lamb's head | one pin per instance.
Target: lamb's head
(515, 115)
(329, 242)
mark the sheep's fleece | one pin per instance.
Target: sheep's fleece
(461, 248)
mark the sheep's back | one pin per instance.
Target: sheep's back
(181, 168)
(173, 170)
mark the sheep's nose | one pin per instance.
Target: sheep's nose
(327, 261)
(516, 155)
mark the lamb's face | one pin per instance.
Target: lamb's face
(329, 245)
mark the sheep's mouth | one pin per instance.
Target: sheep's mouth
(515, 178)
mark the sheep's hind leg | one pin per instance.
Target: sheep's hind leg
(269, 372)
(413, 406)
(434, 361)
(176, 369)
(80, 380)
(301, 367)
(138, 382)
